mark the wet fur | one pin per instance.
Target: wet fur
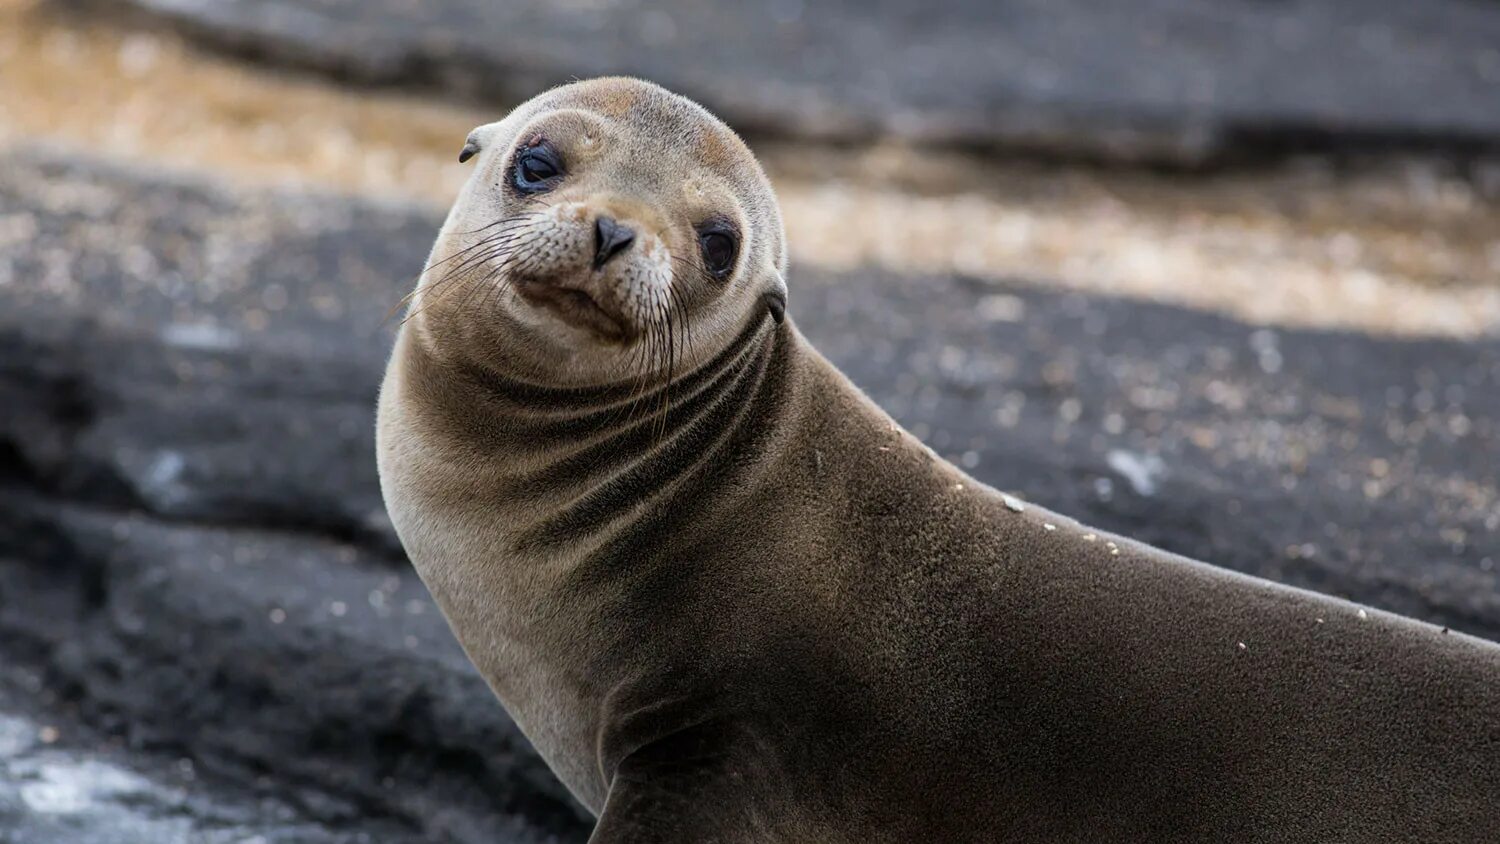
(769, 613)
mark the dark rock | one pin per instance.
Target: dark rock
(71, 787)
(192, 561)
(296, 662)
(1180, 80)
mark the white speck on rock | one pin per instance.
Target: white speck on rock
(165, 469)
(1012, 503)
(1141, 471)
(200, 336)
(162, 483)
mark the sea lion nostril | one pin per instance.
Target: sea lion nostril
(610, 239)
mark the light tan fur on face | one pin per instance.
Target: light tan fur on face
(651, 160)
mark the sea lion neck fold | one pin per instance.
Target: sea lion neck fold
(526, 402)
(584, 461)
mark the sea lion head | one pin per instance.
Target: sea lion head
(610, 230)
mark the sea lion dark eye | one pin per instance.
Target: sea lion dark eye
(719, 248)
(537, 169)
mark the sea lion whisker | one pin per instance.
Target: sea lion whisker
(519, 220)
(505, 237)
(644, 379)
(660, 362)
(495, 280)
(662, 324)
(460, 277)
(684, 319)
(452, 280)
(500, 222)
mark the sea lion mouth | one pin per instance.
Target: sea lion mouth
(574, 307)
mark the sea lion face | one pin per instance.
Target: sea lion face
(610, 230)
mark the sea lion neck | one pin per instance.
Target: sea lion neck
(581, 466)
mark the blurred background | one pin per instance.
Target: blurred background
(1223, 275)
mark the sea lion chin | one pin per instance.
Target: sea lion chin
(574, 306)
(729, 599)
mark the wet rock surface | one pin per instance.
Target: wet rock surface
(194, 565)
(75, 788)
(1164, 79)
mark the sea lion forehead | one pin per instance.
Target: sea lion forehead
(612, 97)
(668, 121)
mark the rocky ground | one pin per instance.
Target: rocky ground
(207, 630)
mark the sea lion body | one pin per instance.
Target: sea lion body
(749, 607)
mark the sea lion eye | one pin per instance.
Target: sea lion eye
(719, 248)
(538, 168)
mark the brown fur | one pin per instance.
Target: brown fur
(768, 613)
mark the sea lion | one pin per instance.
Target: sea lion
(730, 600)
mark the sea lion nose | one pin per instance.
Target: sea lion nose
(610, 239)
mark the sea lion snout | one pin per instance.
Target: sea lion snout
(591, 269)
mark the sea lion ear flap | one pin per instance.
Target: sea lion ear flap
(775, 298)
(478, 140)
(471, 147)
